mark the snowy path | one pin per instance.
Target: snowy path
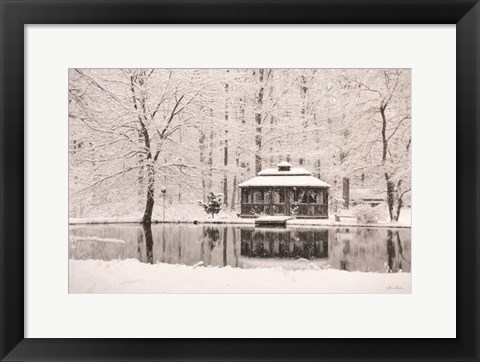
(132, 276)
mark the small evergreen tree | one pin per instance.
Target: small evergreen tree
(213, 205)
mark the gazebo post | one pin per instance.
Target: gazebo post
(270, 190)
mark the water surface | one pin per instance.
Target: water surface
(352, 249)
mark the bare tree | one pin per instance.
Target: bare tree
(140, 111)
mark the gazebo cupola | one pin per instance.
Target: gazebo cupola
(285, 190)
(284, 166)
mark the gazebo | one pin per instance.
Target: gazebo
(285, 190)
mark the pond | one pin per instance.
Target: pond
(344, 248)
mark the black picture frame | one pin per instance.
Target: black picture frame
(16, 14)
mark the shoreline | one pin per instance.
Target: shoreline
(293, 222)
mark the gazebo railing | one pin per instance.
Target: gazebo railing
(312, 209)
(303, 202)
(284, 209)
(255, 209)
(279, 209)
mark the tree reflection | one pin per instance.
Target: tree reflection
(225, 235)
(147, 230)
(140, 238)
(354, 249)
(400, 252)
(163, 242)
(234, 236)
(212, 235)
(394, 253)
(390, 252)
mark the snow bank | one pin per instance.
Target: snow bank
(191, 214)
(106, 220)
(132, 276)
(353, 223)
(233, 221)
(405, 216)
(157, 220)
(188, 213)
(95, 238)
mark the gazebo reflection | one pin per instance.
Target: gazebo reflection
(284, 243)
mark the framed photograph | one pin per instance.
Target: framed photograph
(233, 214)
(239, 181)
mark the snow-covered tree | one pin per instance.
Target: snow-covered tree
(198, 131)
(213, 205)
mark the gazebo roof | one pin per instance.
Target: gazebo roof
(295, 171)
(286, 176)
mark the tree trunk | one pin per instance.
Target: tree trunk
(303, 111)
(384, 133)
(147, 162)
(258, 124)
(390, 196)
(390, 183)
(346, 192)
(141, 141)
(234, 187)
(272, 118)
(210, 155)
(201, 146)
(239, 165)
(225, 153)
(147, 215)
(234, 193)
(399, 207)
(318, 168)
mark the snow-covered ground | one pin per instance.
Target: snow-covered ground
(180, 213)
(405, 216)
(132, 276)
(189, 216)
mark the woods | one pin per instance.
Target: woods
(198, 131)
